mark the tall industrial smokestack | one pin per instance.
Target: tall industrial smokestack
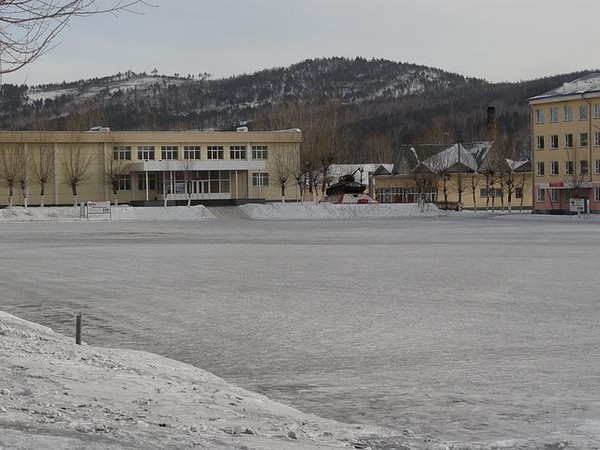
(490, 130)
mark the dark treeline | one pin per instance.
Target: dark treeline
(382, 101)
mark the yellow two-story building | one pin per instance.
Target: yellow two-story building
(565, 132)
(142, 167)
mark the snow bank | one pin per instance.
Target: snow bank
(124, 212)
(55, 394)
(308, 211)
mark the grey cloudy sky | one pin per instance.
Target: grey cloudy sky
(499, 40)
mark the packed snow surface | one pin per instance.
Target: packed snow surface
(451, 330)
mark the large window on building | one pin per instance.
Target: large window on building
(124, 182)
(583, 167)
(583, 112)
(539, 142)
(554, 141)
(519, 192)
(540, 195)
(568, 113)
(121, 152)
(553, 167)
(146, 152)
(568, 140)
(491, 193)
(568, 167)
(553, 115)
(597, 166)
(237, 152)
(539, 116)
(541, 168)
(151, 181)
(260, 152)
(583, 139)
(260, 179)
(597, 111)
(214, 152)
(597, 138)
(169, 152)
(191, 152)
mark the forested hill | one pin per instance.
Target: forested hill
(403, 102)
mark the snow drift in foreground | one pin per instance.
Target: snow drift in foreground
(121, 212)
(269, 211)
(55, 394)
(303, 211)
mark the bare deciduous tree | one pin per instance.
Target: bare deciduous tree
(42, 164)
(10, 168)
(75, 164)
(29, 28)
(114, 168)
(23, 175)
(283, 164)
(380, 148)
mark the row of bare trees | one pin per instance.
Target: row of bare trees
(497, 174)
(22, 168)
(328, 135)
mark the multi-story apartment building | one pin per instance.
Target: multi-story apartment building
(141, 167)
(565, 132)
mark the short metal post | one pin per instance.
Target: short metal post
(78, 329)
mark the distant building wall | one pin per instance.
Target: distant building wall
(149, 166)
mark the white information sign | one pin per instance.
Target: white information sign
(94, 208)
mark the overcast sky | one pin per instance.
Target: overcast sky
(499, 40)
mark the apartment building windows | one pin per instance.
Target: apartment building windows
(121, 152)
(142, 186)
(540, 196)
(583, 112)
(191, 152)
(597, 195)
(568, 140)
(568, 113)
(259, 152)
(554, 141)
(553, 115)
(583, 139)
(237, 152)
(554, 195)
(568, 167)
(168, 152)
(490, 193)
(539, 142)
(539, 116)
(260, 179)
(597, 138)
(519, 192)
(146, 152)
(597, 166)
(214, 152)
(124, 182)
(540, 168)
(597, 111)
(554, 168)
(583, 167)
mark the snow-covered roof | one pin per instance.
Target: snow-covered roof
(460, 157)
(589, 84)
(337, 170)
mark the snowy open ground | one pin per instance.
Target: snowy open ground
(473, 329)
